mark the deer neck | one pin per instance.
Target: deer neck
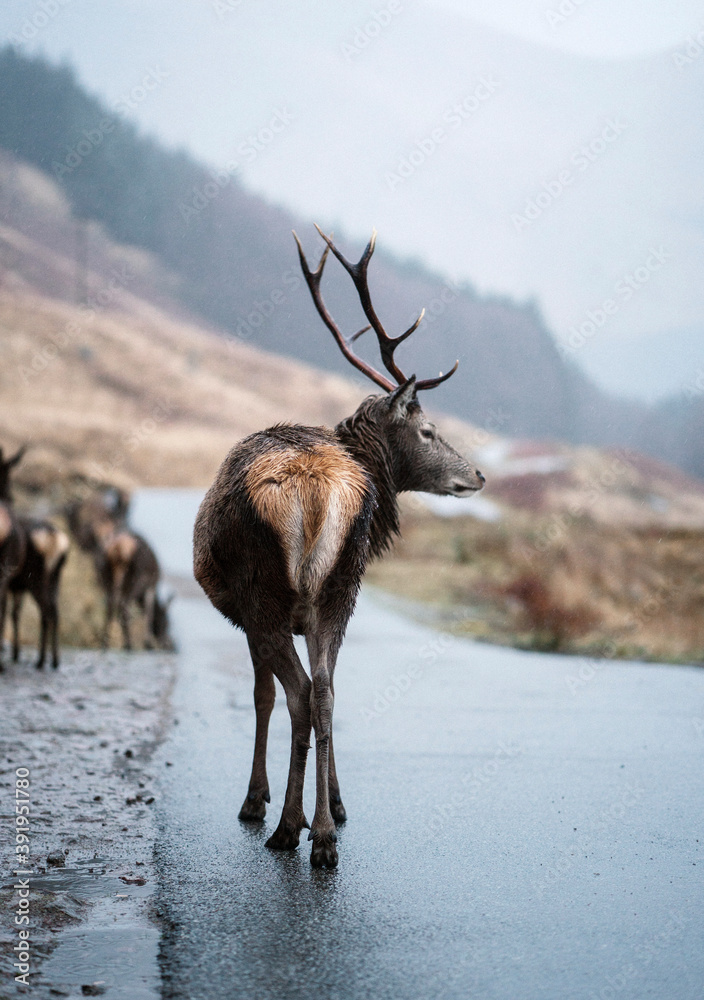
(364, 440)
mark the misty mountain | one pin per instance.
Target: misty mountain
(231, 260)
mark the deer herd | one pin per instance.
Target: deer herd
(281, 542)
(33, 553)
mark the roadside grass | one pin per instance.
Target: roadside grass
(586, 588)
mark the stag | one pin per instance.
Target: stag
(13, 542)
(126, 568)
(282, 539)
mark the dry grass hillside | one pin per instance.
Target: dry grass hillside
(138, 398)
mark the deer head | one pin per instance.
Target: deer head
(421, 459)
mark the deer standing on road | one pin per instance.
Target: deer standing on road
(126, 567)
(43, 548)
(282, 539)
(13, 543)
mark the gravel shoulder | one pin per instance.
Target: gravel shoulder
(87, 734)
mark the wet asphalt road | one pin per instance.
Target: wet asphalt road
(515, 831)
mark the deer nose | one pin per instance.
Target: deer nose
(479, 476)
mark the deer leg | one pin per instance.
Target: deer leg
(124, 616)
(322, 654)
(109, 615)
(3, 611)
(254, 806)
(279, 654)
(43, 628)
(54, 623)
(149, 608)
(337, 809)
(16, 609)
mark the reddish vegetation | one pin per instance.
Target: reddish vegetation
(553, 624)
(529, 490)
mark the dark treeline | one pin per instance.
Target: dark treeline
(236, 267)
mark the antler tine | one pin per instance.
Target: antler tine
(313, 282)
(430, 383)
(358, 273)
(387, 344)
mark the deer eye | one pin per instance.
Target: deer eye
(427, 433)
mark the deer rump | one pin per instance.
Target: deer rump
(292, 507)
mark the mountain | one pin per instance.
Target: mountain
(362, 90)
(221, 255)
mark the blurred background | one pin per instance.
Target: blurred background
(534, 172)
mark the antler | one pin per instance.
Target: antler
(387, 344)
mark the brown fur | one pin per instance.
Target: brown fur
(51, 544)
(126, 566)
(5, 523)
(296, 492)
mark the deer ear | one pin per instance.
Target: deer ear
(403, 399)
(16, 458)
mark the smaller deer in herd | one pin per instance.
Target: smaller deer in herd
(282, 539)
(126, 568)
(41, 551)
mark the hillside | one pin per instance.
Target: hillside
(227, 257)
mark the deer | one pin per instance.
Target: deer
(47, 548)
(13, 541)
(44, 549)
(126, 567)
(283, 536)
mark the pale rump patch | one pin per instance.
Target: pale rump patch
(311, 499)
(51, 544)
(5, 524)
(121, 548)
(119, 551)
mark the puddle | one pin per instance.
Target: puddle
(117, 955)
(87, 880)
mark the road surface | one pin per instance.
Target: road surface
(521, 826)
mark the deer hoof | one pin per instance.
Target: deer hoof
(324, 853)
(284, 838)
(338, 810)
(254, 809)
(39, 664)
